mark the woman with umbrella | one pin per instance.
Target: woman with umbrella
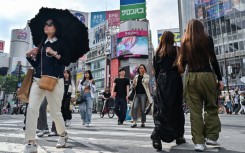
(49, 59)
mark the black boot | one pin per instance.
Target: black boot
(180, 141)
(156, 141)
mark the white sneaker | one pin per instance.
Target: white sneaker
(212, 142)
(86, 125)
(68, 122)
(41, 133)
(62, 141)
(30, 148)
(200, 147)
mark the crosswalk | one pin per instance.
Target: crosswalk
(103, 136)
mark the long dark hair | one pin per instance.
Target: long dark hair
(138, 71)
(196, 47)
(90, 76)
(166, 44)
(69, 73)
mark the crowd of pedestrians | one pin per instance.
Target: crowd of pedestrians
(187, 79)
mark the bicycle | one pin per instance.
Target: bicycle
(107, 110)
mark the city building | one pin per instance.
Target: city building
(225, 22)
(4, 63)
(21, 42)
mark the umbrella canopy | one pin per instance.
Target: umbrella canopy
(71, 30)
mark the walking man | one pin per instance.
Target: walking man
(121, 88)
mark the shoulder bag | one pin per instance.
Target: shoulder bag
(47, 82)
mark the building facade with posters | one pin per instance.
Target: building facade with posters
(224, 20)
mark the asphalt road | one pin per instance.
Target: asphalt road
(105, 136)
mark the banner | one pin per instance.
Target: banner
(97, 18)
(133, 71)
(82, 16)
(113, 18)
(114, 70)
(97, 35)
(134, 46)
(128, 2)
(136, 11)
(2, 46)
(133, 33)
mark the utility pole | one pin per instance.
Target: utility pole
(226, 74)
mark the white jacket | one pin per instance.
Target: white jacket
(72, 89)
(92, 88)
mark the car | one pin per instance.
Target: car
(76, 110)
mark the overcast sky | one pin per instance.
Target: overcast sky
(162, 14)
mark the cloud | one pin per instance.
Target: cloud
(15, 13)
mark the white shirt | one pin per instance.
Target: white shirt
(51, 40)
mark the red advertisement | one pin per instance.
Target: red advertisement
(1, 46)
(113, 18)
(114, 70)
(133, 33)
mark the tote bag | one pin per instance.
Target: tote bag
(25, 88)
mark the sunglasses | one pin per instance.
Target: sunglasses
(49, 23)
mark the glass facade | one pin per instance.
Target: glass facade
(224, 20)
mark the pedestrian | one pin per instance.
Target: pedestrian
(106, 96)
(228, 103)
(50, 58)
(69, 96)
(121, 89)
(169, 116)
(42, 124)
(201, 87)
(142, 97)
(242, 102)
(236, 99)
(87, 86)
(8, 107)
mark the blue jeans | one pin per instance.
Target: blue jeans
(140, 101)
(86, 109)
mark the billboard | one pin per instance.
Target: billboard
(134, 11)
(82, 16)
(133, 33)
(133, 46)
(16, 62)
(97, 18)
(134, 25)
(2, 46)
(176, 33)
(97, 35)
(212, 9)
(114, 46)
(128, 2)
(113, 18)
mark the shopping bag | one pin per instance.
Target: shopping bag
(25, 88)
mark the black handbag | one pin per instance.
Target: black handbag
(80, 98)
(131, 95)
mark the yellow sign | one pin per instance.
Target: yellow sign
(176, 37)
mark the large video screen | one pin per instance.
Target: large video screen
(133, 46)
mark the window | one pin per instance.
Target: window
(236, 46)
(241, 45)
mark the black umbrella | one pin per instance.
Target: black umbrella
(73, 31)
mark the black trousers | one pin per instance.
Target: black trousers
(65, 109)
(168, 114)
(121, 108)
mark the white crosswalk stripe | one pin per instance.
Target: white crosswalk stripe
(103, 136)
